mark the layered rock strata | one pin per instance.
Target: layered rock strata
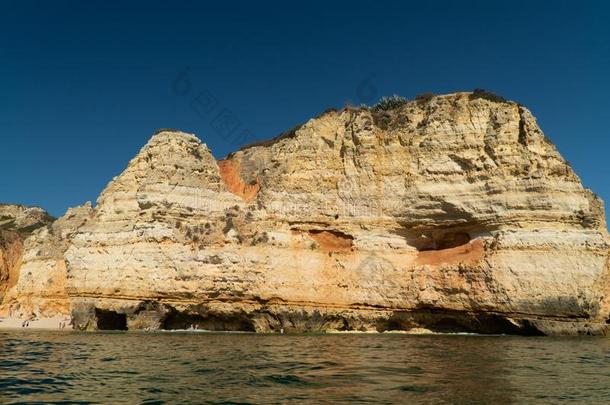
(453, 213)
(17, 222)
(40, 289)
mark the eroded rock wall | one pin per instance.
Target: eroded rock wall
(17, 222)
(452, 214)
(39, 288)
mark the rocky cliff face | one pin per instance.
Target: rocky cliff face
(39, 289)
(17, 222)
(453, 213)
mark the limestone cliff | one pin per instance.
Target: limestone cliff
(451, 213)
(40, 281)
(17, 222)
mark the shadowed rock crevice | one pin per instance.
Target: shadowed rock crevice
(207, 321)
(443, 321)
(433, 321)
(110, 320)
(90, 317)
(332, 240)
(298, 321)
(522, 130)
(444, 240)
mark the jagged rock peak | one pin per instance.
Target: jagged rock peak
(21, 218)
(165, 134)
(171, 160)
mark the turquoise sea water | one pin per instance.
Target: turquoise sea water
(72, 367)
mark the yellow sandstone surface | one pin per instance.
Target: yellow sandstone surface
(453, 213)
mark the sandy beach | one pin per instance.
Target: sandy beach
(54, 323)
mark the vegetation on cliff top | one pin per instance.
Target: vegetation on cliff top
(389, 103)
(381, 111)
(396, 101)
(487, 95)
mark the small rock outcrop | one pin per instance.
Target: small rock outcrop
(449, 213)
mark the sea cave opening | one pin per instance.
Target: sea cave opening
(110, 320)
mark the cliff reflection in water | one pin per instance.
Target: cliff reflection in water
(216, 368)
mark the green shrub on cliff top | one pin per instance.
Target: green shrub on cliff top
(487, 95)
(390, 103)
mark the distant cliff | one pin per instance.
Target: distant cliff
(447, 213)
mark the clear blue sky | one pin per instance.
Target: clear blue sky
(85, 84)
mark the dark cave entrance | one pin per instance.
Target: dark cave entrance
(183, 320)
(448, 321)
(110, 320)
